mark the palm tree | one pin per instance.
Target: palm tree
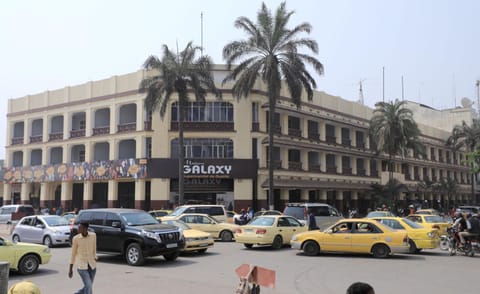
(467, 137)
(389, 193)
(450, 187)
(394, 131)
(271, 52)
(178, 73)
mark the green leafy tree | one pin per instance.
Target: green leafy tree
(271, 52)
(173, 77)
(394, 131)
(467, 137)
(389, 193)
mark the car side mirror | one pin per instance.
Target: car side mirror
(330, 231)
(40, 226)
(116, 224)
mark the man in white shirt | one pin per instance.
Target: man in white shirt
(84, 254)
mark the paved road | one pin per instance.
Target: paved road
(429, 272)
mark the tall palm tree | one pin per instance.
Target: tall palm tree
(177, 73)
(467, 137)
(271, 52)
(394, 131)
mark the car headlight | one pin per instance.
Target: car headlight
(431, 234)
(152, 235)
(181, 237)
(46, 250)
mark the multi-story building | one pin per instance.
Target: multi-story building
(95, 145)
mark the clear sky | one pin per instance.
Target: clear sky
(433, 44)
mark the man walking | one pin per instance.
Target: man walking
(84, 253)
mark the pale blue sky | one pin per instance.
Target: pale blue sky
(46, 45)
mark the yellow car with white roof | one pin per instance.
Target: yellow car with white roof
(195, 240)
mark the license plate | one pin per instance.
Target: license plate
(173, 245)
(248, 230)
(203, 245)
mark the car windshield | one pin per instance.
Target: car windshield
(434, 219)
(178, 224)
(379, 213)
(178, 211)
(56, 221)
(138, 219)
(262, 221)
(411, 224)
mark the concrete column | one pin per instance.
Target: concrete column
(113, 119)
(140, 194)
(160, 194)
(304, 122)
(140, 113)
(89, 153)
(353, 136)
(113, 193)
(284, 123)
(338, 163)
(323, 161)
(284, 157)
(7, 194)
(338, 134)
(26, 131)
(354, 200)
(323, 195)
(112, 145)
(140, 147)
(367, 167)
(88, 122)
(44, 199)
(304, 159)
(67, 122)
(45, 129)
(322, 130)
(87, 194)
(25, 193)
(4, 272)
(353, 161)
(66, 195)
(339, 201)
(304, 195)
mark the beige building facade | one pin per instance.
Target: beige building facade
(95, 145)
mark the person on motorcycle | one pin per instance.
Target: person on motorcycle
(467, 230)
(460, 225)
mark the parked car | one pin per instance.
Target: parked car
(217, 211)
(195, 240)
(49, 230)
(366, 236)
(132, 233)
(159, 213)
(274, 230)
(431, 221)
(469, 208)
(379, 213)
(218, 230)
(429, 211)
(231, 216)
(24, 257)
(267, 212)
(13, 212)
(325, 215)
(419, 236)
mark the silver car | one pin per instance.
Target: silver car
(49, 230)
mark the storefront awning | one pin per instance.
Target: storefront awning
(314, 185)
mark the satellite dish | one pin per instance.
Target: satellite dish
(466, 103)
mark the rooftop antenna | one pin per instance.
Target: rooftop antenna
(201, 33)
(383, 83)
(403, 91)
(361, 92)
(454, 91)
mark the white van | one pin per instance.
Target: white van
(217, 211)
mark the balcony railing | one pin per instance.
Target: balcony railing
(128, 127)
(408, 177)
(147, 125)
(346, 142)
(434, 178)
(433, 158)
(17, 141)
(360, 144)
(101, 131)
(331, 169)
(295, 132)
(255, 127)
(202, 126)
(361, 172)
(55, 136)
(331, 139)
(440, 159)
(277, 164)
(449, 160)
(294, 165)
(314, 168)
(276, 130)
(36, 139)
(374, 173)
(347, 171)
(77, 133)
(314, 136)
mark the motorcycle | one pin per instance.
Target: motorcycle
(454, 244)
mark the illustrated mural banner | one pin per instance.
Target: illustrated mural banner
(78, 171)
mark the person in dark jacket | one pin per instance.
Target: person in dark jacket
(312, 223)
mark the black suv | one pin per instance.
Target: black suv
(132, 233)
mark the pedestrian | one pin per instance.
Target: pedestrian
(84, 254)
(59, 210)
(312, 223)
(360, 288)
(24, 287)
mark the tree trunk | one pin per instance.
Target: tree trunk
(271, 115)
(181, 154)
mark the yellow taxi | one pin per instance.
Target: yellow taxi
(24, 257)
(208, 224)
(159, 213)
(427, 211)
(431, 221)
(353, 236)
(274, 230)
(419, 237)
(195, 240)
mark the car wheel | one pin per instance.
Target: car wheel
(444, 244)
(16, 238)
(277, 242)
(28, 264)
(380, 251)
(202, 251)
(248, 245)
(171, 256)
(413, 248)
(226, 236)
(134, 255)
(47, 241)
(311, 248)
